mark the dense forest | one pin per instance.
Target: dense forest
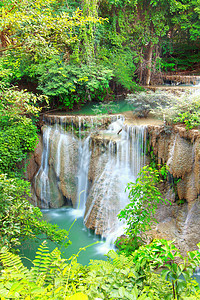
(60, 55)
(75, 52)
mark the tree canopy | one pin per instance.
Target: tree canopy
(121, 43)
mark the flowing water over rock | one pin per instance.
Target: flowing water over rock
(116, 160)
(96, 157)
(88, 167)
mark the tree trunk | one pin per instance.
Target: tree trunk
(149, 59)
(141, 65)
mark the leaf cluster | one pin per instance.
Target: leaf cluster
(18, 134)
(144, 196)
(19, 219)
(146, 101)
(120, 277)
(72, 83)
(185, 110)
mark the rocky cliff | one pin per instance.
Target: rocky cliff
(180, 150)
(114, 161)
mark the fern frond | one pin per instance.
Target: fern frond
(42, 261)
(12, 263)
(121, 260)
(47, 265)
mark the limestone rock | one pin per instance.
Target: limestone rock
(179, 149)
(180, 224)
(34, 161)
(64, 162)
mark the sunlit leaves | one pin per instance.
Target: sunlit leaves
(144, 197)
(128, 278)
(37, 28)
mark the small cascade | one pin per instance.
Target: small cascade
(84, 154)
(44, 170)
(119, 165)
(178, 79)
(58, 159)
(171, 152)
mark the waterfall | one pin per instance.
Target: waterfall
(119, 165)
(58, 160)
(84, 154)
(44, 169)
(90, 169)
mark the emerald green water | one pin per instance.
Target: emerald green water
(87, 109)
(79, 236)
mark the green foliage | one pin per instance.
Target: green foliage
(144, 102)
(16, 140)
(144, 197)
(123, 66)
(163, 254)
(73, 84)
(39, 28)
(120, 277)
(15, 103)
(18, 134)
(185, 110)
(190, 119)
(18, 137)
(131, 38)
(105, 108)
(18, 218)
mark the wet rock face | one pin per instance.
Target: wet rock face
(103, 203)
(34, 161)
(63, 163)
(180, 149)
(179, 223)
(58, 184)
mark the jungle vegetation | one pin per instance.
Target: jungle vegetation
(62, 54)
(78, 51)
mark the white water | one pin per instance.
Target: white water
(125, 157)
(84, 155)
(44, 169)
(120, 164)
(58, 159)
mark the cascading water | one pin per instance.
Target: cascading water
(84, 154)
(44, 169)
(121, 163)
(96, 171)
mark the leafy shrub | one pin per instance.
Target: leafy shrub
(72, 83)
(133, 277)
(105, 108)
(18, 134)
(144, 102)
(17, 139)
(144, 197)
(185, 110)
(15, 103)
(121, 62)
